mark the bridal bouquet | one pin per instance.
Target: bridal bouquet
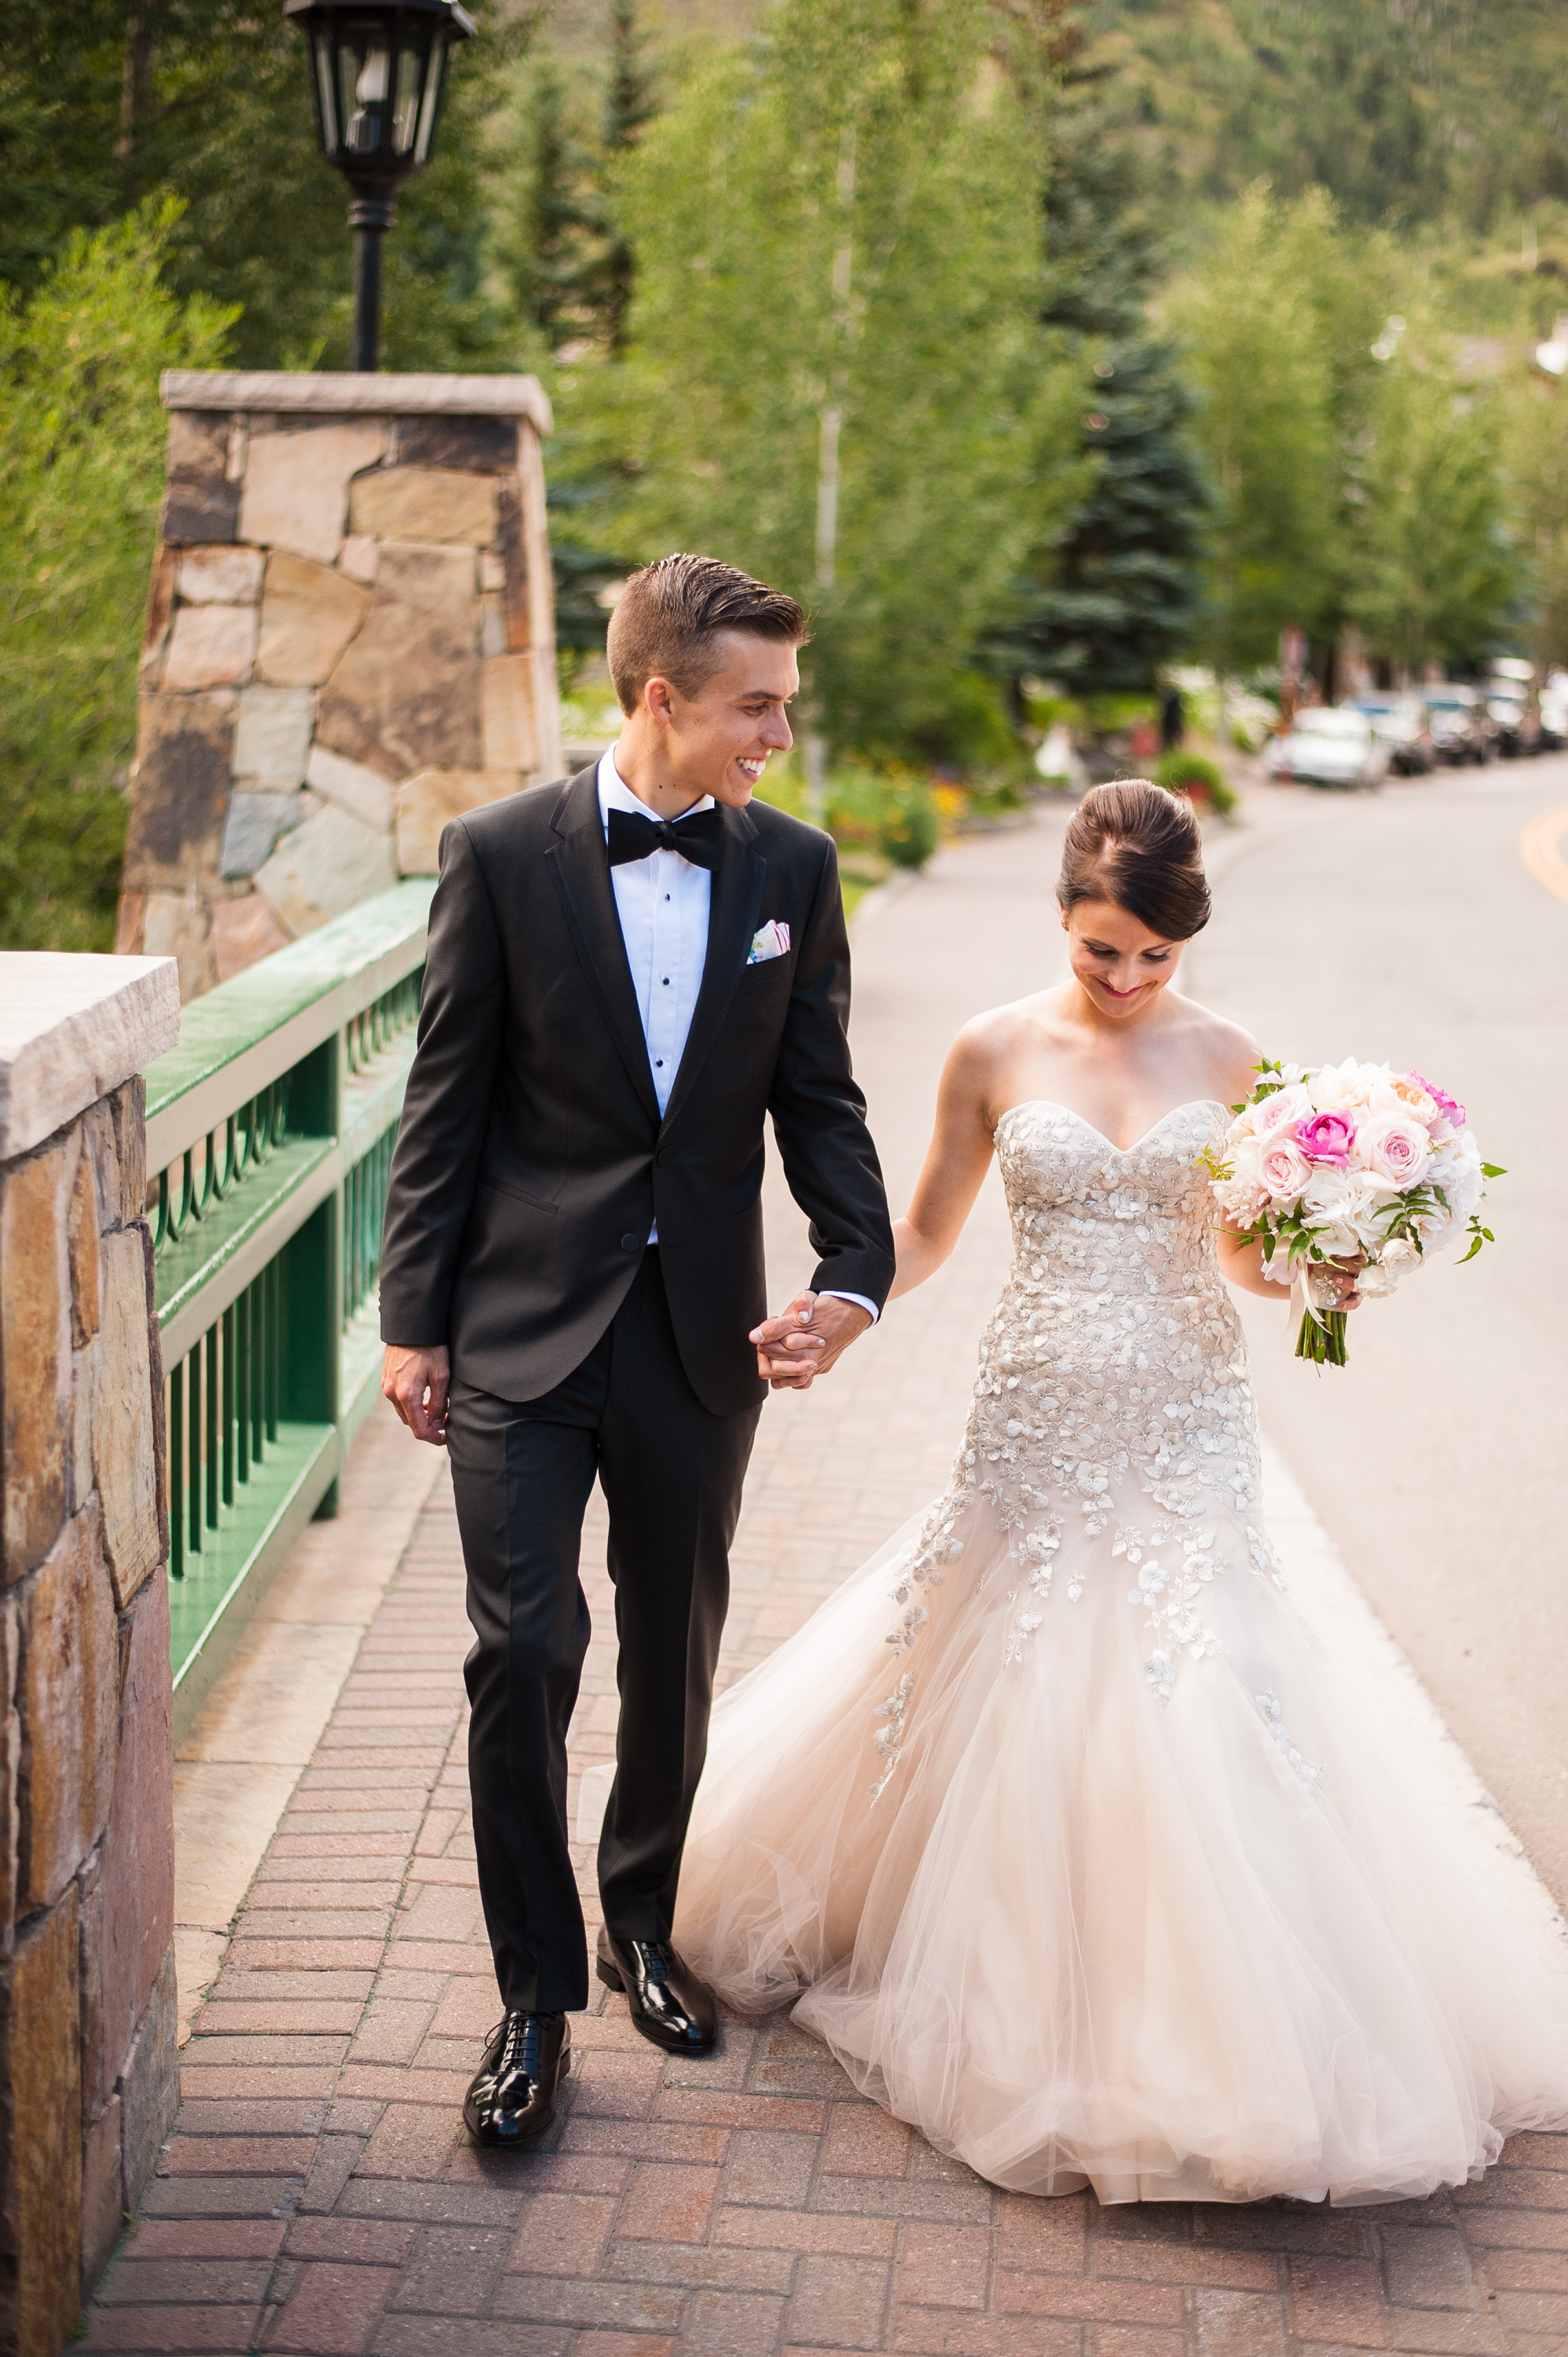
(1349, 1160)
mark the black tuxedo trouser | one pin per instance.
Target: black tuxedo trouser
(522, 1474)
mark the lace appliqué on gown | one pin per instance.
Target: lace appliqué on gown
(1114, 1359)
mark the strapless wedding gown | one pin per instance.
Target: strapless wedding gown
(1065, 1833)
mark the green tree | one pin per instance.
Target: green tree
(1280, 387)
(111, 103)
(1125, 593)
(1536, 457)
(835, 362)
(1434, 569)
(630, 105)
(81, 443)
(553, 239)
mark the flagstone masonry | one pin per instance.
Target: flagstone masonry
(350, 639)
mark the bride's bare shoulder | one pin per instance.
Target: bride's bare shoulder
(1228, 1049)
(989, 1039)
(988, 1046)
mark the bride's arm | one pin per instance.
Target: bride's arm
(1242, 1263)
(956, 1162)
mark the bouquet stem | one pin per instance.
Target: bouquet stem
(1322, 1338)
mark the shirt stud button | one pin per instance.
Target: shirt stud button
(630, 1243)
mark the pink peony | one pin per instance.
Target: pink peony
(1326, 1137)
(1449, 1107)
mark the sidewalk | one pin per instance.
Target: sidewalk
(319, 2194)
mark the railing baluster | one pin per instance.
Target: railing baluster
(230, 1404)
(274, 1342)
(176, 1418)
(211, 1433)
(242, 1386)
(193, 1475)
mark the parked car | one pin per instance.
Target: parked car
(1555, 712)
(1400, 722)
(1515, 720)
(1328, 746)
(1512, 703)
(1462, 728)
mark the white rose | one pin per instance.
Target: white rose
(1246, 1159)
(1335, 1086)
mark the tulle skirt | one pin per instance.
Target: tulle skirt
(1215, 1946)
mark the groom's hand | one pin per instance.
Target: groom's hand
(804, 1340)
(416, 1383)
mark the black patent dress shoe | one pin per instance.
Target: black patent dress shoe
(666, 2000)
(512, 2098)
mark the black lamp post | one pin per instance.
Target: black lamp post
(377, 70)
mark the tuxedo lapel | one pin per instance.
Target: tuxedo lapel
(735, 901)
(580, 867)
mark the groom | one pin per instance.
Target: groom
(625, 973)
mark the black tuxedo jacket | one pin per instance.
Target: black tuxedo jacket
(531, 1160)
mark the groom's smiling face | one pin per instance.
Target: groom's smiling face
(717, 742)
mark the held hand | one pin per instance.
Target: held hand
(416, 1383)
(804, 1340)
(1335, 1285)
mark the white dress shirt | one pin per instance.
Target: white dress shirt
(663, 903)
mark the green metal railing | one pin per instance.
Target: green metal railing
(269, 1133)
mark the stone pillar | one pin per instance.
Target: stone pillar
(351, 637)
(86, 1998)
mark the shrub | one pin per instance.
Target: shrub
(1200, 780)
(909, 828)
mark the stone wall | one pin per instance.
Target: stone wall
(88, 2074)
(351, 637)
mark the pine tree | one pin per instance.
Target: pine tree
(1126, 590)
(629, 104)
(553, 257)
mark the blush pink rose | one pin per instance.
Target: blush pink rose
(1327, 1137)
(1396, 1147)
(1278, 1111)
(1284, 1170)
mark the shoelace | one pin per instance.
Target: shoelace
(659, 1954)
(521, 2046)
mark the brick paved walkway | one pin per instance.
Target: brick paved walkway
(319, 2195)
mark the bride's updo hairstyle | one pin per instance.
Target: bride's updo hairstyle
(1133, 843)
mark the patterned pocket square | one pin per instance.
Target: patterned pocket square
(772, 942)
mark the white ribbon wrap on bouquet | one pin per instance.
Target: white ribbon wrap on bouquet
(1301, 1304)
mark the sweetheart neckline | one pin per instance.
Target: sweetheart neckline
(1056, 1105)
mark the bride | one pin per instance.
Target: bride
(1054, 1821)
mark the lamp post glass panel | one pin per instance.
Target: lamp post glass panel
(376, 71)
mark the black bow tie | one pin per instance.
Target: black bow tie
(697, 837)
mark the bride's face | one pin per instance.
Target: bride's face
(1119, 965)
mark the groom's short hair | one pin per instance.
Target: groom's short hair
(667, 618)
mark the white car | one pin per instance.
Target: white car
(1329, 747)
(1554, 712)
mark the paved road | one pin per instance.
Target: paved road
(319, 2194)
